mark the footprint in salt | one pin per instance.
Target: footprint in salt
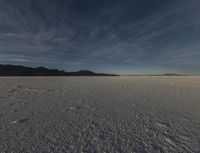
(23, 120)
(81, 101)
(169, 141)
(11, 90)
(73, 109)
(31, 89)
(11, 104)
(2, 97)
(91, 107)
(1, 115)
(135, 104)
(19, 86)
(25, 103)
(163, 125)
(37, 90)
(14, 111)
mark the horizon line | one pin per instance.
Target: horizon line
(150, 74)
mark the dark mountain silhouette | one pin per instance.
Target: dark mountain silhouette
(15, 70)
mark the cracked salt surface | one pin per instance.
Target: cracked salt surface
(100, 114)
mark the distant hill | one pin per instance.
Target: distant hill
(164, 74)
(171, 74)
(15, 70)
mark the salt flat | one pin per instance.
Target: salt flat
(99, 114)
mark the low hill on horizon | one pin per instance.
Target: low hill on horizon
(164, 74)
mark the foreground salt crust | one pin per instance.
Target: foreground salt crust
(100, 114)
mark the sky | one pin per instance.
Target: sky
(114, 36)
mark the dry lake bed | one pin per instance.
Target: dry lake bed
(99, 114)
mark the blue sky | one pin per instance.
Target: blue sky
(116, 36)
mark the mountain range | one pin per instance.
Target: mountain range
(16, 70)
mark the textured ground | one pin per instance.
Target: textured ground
(100, 114)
